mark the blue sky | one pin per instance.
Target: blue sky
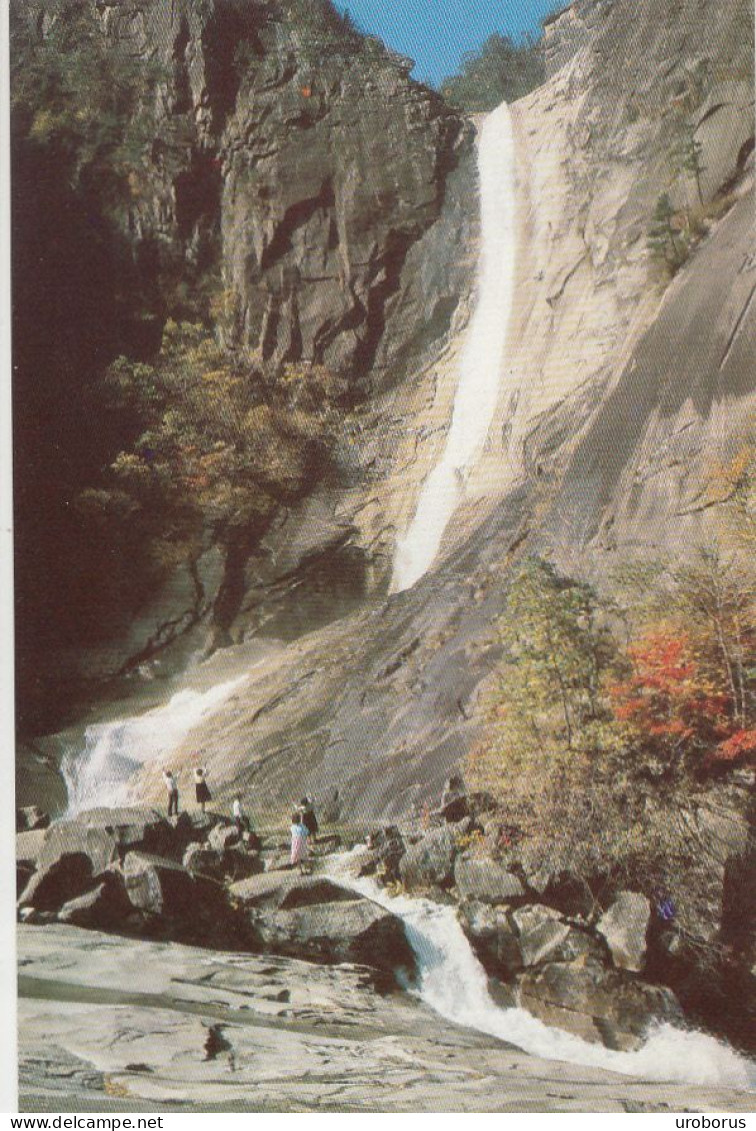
(437, 33)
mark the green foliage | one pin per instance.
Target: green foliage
(687, 154)
(501, 71)
(668, 235)
(592, 746)
(556, 648)
(221, 444)
(82, 99)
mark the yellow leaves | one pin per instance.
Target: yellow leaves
(46, 123)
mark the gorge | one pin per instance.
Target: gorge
(308, 366)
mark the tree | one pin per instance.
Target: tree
(688, 156)
(501, 71)
(219, 446)
(83, 99)
(667, 238)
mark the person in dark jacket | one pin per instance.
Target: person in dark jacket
(201, 790)
(309, 820)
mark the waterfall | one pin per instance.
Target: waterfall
(453, 983)
(482, 358)
(101, 772)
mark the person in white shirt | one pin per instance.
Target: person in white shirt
(173, 797)
(240, 818)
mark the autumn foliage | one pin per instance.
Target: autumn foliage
(672, 704)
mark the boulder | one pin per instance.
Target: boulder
(454, 804)
(53, 884)
(203, 861)
(104, 908)
(494, 939)
(107, 835)
(625, 927)
(597, 1003)
(430, 862)
(234, 863)
(284, 891)
(177, 905)
(355, 930)
(31, 818)
(485, 880)
(159, 886)
(389, 848)
(29, 846)
(222, 837)
(540, 931)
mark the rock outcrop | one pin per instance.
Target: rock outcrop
(289, 165)
(261, 1033)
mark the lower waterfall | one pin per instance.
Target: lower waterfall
(100, 774)
(455, 985)
(480, 368)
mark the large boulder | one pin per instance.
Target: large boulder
(625, 927)
(544, 937)
(597, 1003)
(286, 891)
(107, 835)
(29, 846)
(175, 904)
(430, 862)
(105, 907)
(355, 930)
(494, 939)
(234, 864)
(53, 884)
(31, 817)
(483, 879)
(159, 886)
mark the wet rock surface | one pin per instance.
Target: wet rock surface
(262, 1033)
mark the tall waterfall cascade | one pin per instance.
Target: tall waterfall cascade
(482, 359)
(453, 983)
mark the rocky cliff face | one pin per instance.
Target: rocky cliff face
(619, 394)
(288, 172)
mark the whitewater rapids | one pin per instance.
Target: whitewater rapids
(482, 359)
(453, 983)
(101, 773)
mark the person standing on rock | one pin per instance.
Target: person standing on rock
(240, 819)
(201, 790)
(173, 798)
(308, 817)
(299, 837)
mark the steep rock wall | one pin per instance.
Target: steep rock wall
(289, 172)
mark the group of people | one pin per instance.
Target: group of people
(201, 790)
(304, 823)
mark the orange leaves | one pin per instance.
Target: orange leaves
(673, 704)
(740, 746)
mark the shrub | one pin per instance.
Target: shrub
(501, 71)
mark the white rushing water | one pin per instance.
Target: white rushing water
(482, 359)
(101, 772)
(454, 984)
